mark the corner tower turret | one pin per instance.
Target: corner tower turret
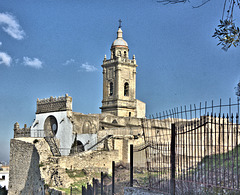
(119, 82)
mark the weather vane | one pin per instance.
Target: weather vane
(120, 23)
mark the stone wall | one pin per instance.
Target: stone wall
(21, 132)
(90, 160)
(32, 163)
(85, 124)
(54, 104)
(141, 109)
(24, 176)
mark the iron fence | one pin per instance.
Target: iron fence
(194, 150)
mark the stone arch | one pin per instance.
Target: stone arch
(86, 127)
(77, 147)
(111, 88)
(50, 126)
(119, 53)
(126, 89)
(93, 129)
(125, 54)
(114, 121)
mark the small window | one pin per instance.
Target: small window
(114, 121)
(119, 53)
(126, 89)
(3, 177)
(125, 54)
(111, 89)
(129, 114)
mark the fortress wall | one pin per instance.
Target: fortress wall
(90, 160)
(24, 175)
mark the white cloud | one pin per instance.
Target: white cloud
(71, 61)
(88, 68)
(10, 25)
(5, 59)
(34, 63)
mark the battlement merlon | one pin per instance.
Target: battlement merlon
(21, 132)
(54, 104)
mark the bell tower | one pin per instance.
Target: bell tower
(119, 81)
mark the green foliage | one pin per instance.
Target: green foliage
(143, 178)
(238, 90)
(41, 164)
(74, 190)
(76, 173)
(218, 161)
(227, 34)
(75, 187)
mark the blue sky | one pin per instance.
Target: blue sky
(52, 47)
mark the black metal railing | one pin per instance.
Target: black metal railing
(194, 149)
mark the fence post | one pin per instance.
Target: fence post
(84, 190)
(113, 176)
(131, 165)
(172, 181)
(94, 186)
(101, 183)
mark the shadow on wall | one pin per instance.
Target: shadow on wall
(34, 184)
(3, 191)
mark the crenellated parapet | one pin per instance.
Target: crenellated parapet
(21, 132)
(54, 104)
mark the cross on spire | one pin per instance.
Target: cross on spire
(120, 23)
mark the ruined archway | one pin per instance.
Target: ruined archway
(77, 147)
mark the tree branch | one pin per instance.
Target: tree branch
(165, 2)
(201, 4)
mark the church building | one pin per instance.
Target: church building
(119, 82)
(69, 132)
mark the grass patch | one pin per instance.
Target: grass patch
(230, 158)
(41, 164)
(76, 173)
(75, 188)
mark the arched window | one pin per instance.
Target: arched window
(126, 89)
(114, 121)
(86, 127)
(77, 147)
(111, 89)
(125, 54)
(119, 53)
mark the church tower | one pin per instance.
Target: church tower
(119, 81)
